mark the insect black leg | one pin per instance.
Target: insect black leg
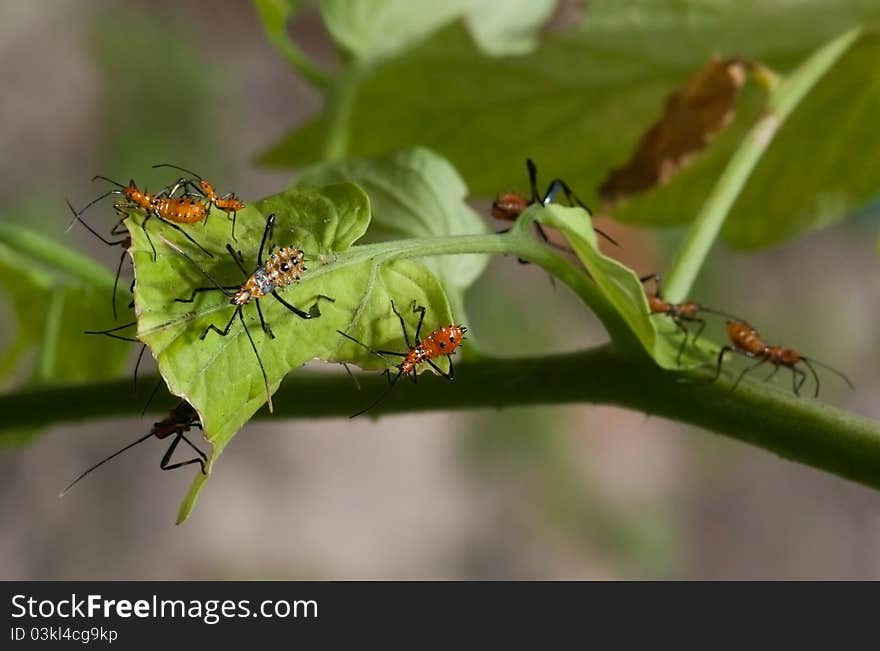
(147, 234)
(194, 446)
(573, 200)
(311, 314)
(116, 283)
(448, 376)
(681, 326)
(263, 323)
(165, 465)
(420, 310)
(725, 349)
(225, 331)
(267, 233)
(403, 324)
(816, 376)
(137, 366)
(798, 384)
(151, 396)
(533, 179)
(238, 259)
(199, 290)
(746, 370)
(186, 235)
(772, 373)
(234, 215)
(700, 328)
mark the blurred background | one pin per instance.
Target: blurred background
(562, 492)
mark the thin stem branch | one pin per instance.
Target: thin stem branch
(274, 17)
(340, 107)
(758, 413)
(55, 256)
(707, 226)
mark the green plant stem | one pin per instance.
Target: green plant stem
(707, 226)
(340, 105)
(516, 243)
(274, 19)
(800, 429)
(55, 256)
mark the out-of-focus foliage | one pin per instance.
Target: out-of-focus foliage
(374, 31)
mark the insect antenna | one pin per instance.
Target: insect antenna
(372, 350)
(726, 315)
(179, 168)
(104, 178)
(103, 461)
(77, 218)
(197, 267)
(111, 332)
(809, 361)
(89, 205)
(381, 396)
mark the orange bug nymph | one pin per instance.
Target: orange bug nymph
(228, 203)
(745, 340)
(179, 421)
(681, 314)
(170, 210)
(443, 341)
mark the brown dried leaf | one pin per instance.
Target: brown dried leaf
(694, 116)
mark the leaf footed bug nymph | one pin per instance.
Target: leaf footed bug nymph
(228, 203)
(179, 421)
(746, 341)
(282, 268)
(170, 210)
(443, 341)
(510, 205)
(681, 314)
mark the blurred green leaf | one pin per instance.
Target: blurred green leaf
(508, 26)
(825, 160)
(371, 31)
(380, 29)
(686, 33)
(413, 193)
(55, 295)
(621, 287)
(577, 104)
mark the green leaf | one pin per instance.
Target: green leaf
(621, 287)
(689, 32)
(577, 104)
(823, 163)
(220, 376)
(372, 31)
(414, 193)
(508, 26)
(377, 30)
